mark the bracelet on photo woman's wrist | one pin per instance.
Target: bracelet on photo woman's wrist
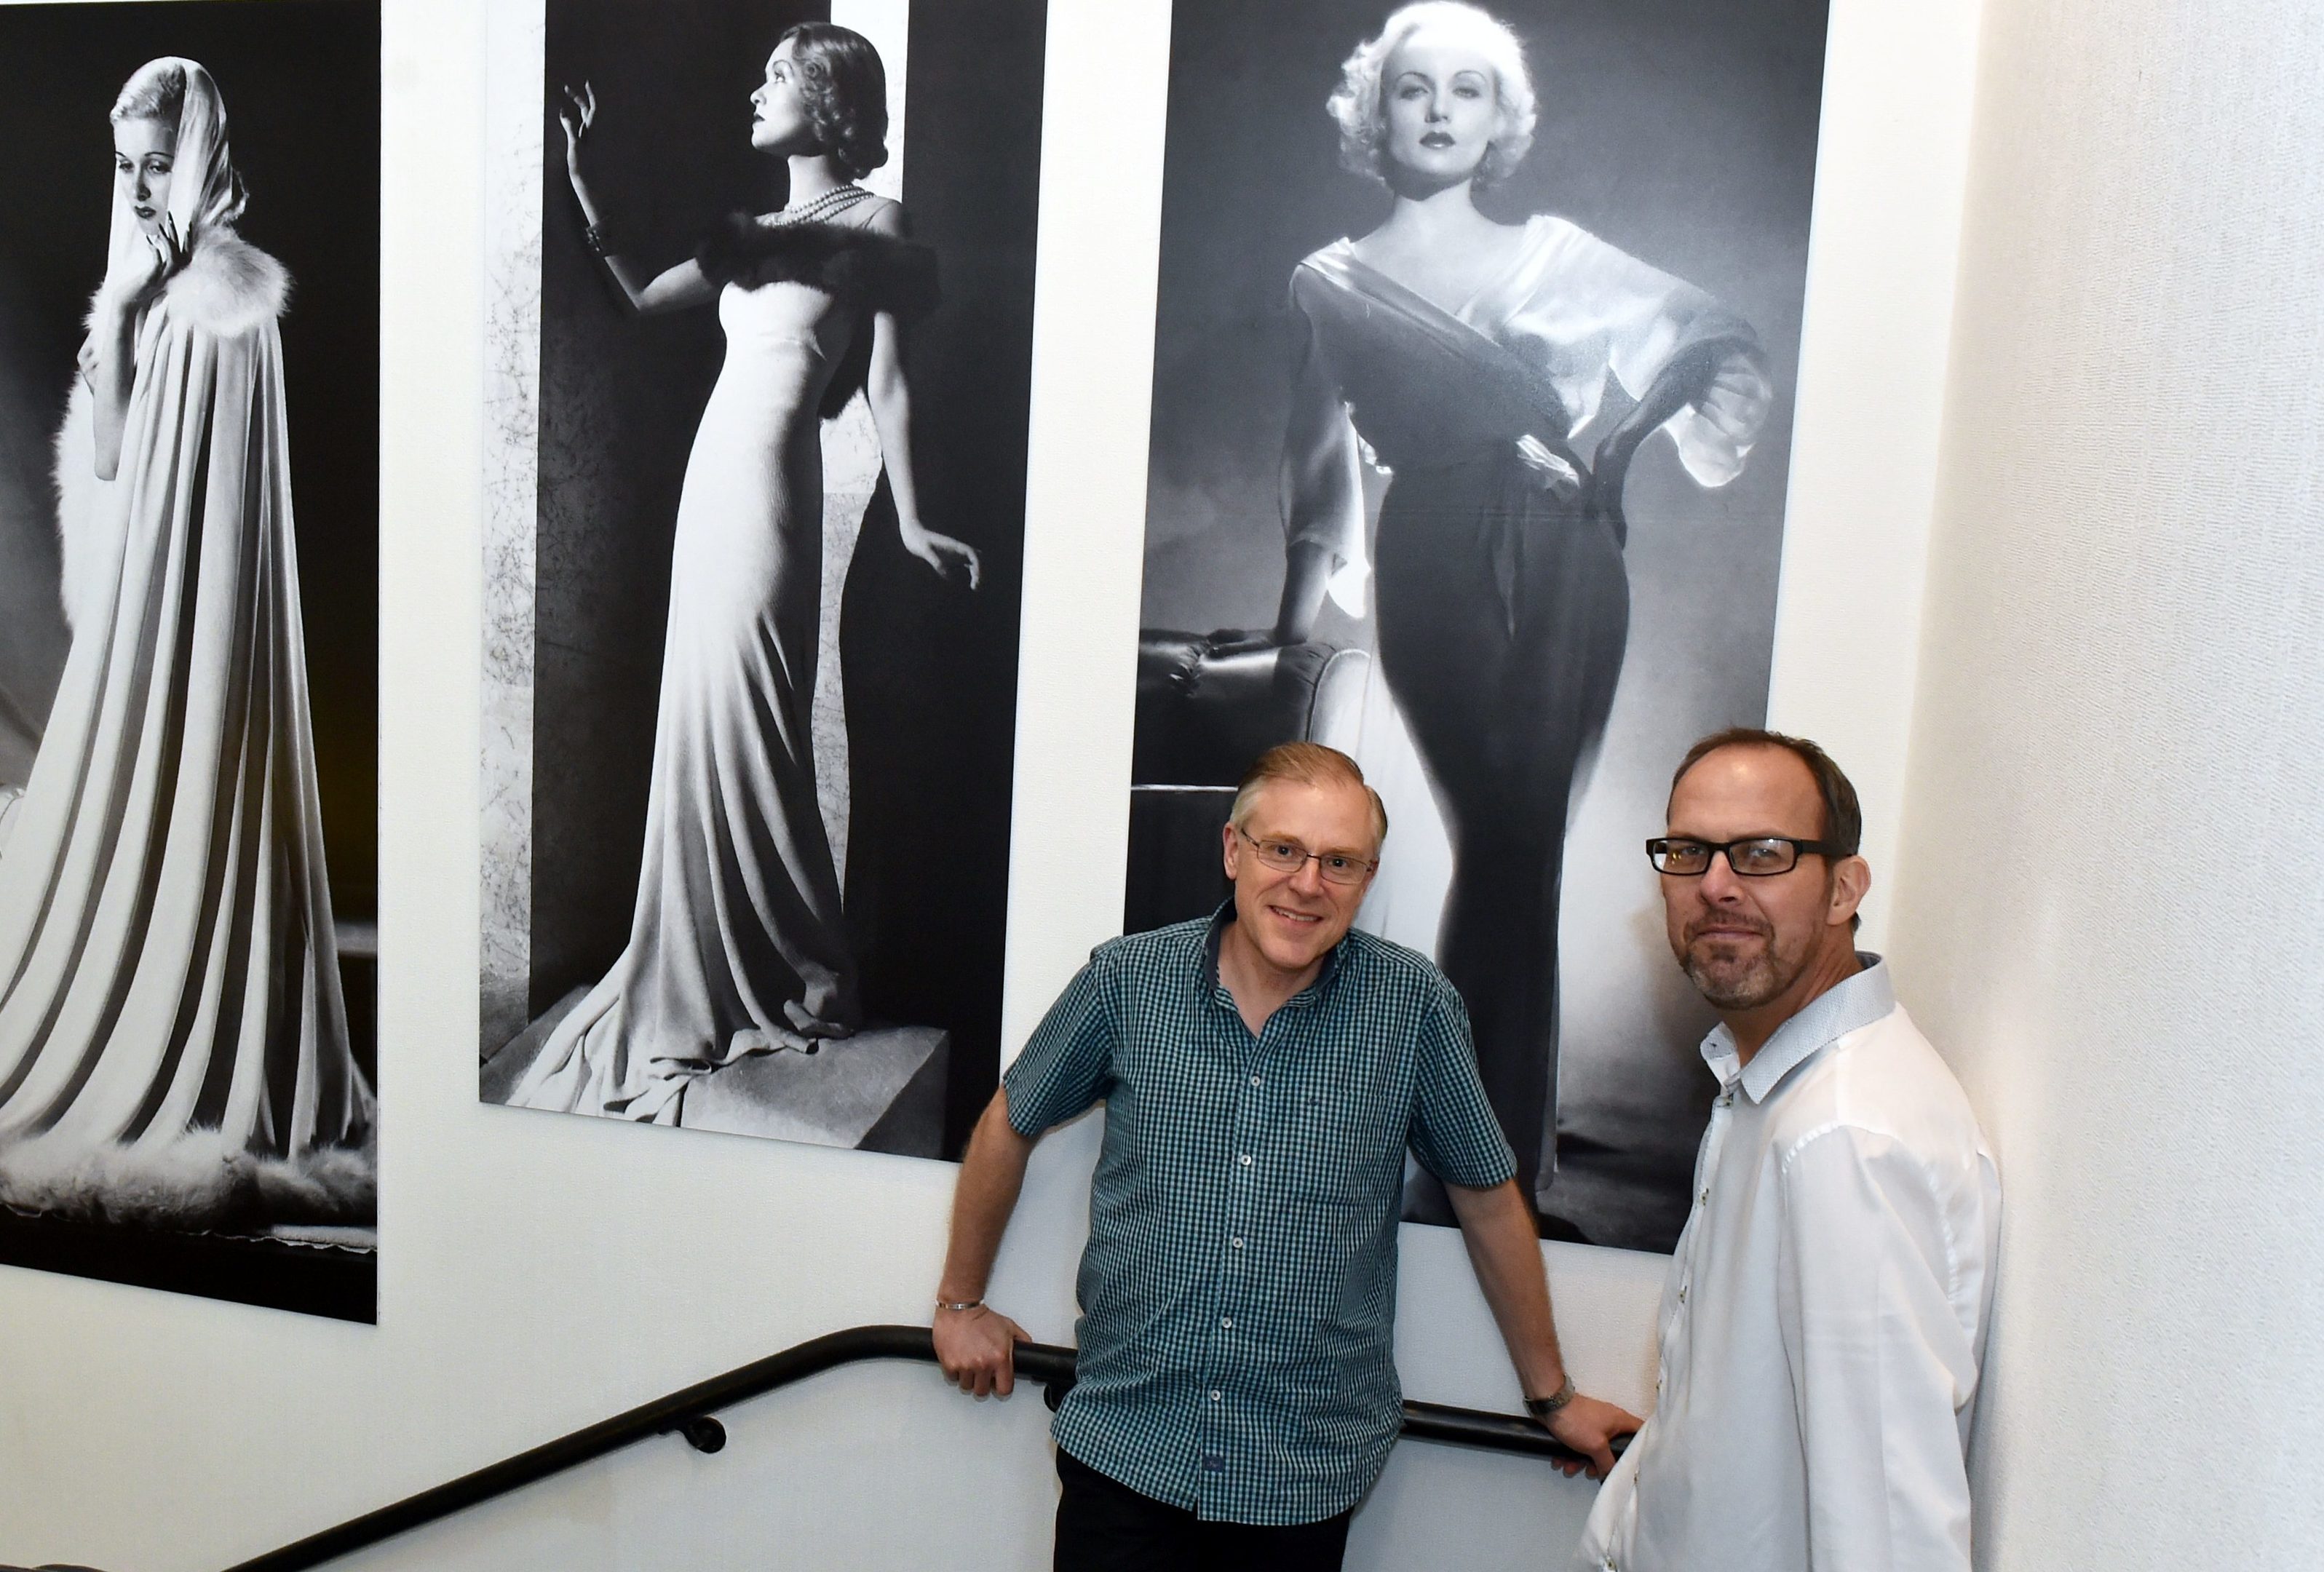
(600, 243)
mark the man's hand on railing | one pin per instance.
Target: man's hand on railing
(977, 1349)
(1590, 1427)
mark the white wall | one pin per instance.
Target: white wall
(540, 1273)
(2114, 841)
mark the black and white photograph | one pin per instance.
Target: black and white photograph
(1476, 346)
(760, 289)
(189, 676)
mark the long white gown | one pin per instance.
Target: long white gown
(736, 943)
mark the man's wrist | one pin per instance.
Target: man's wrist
(1545, 1409)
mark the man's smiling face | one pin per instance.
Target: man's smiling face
(1293, 918)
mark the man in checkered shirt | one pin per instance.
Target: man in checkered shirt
(1264, 1073)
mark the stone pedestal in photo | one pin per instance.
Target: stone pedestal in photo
(880, 1090)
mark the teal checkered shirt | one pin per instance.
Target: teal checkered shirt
(1239, 1290)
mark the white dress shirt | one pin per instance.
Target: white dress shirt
(1825, 1315)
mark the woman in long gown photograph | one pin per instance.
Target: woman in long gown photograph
(1462, 356)
(737, 944)
(174, 1048)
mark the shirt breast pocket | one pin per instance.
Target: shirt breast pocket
(1341, 1152)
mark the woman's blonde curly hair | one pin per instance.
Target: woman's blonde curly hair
(1357, 107)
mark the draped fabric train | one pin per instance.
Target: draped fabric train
(736, 943)
(173, 1044)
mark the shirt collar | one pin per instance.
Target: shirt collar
(1832, 1015)
(1217, 989)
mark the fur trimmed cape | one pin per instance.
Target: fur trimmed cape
(227, 289)
(173, 1040)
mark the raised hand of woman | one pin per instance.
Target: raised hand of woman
(577, 113)
(138, 272)
(945, 555)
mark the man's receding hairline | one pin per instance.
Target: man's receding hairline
(1759, 745)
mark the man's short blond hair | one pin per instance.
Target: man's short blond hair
(1310, 764)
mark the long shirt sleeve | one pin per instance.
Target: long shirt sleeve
(1868, 1276)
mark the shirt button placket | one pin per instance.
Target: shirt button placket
(1243, 1200)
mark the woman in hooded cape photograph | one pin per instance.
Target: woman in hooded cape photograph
(174, 1041)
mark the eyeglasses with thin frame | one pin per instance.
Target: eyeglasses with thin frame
(1758, 856)
(1339, 867)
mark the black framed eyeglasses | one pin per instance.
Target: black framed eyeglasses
(1756, 857)
(1288, 857)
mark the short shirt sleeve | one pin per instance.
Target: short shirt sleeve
(1064, 1068)
(1453, 1132)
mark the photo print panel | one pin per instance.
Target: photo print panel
(759, 322)
(188, 634)
(1474, 364)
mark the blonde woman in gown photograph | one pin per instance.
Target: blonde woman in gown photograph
(173, 1041)
(1460, 355)
(737, 944)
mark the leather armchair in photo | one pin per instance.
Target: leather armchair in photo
(1207, 706)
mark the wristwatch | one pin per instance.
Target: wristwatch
(1544, 1408)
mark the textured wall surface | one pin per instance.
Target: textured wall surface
(2108, 906)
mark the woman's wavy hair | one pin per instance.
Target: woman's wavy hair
(845, 88)
(1357, 107)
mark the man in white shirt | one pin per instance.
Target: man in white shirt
(1826, 1311)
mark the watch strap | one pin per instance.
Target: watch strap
(1542, 1408)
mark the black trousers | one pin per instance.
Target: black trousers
(1104, 1526)
(1503, 614)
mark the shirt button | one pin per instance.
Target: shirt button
(1254, 1081)
(1682, 1293)
(1217, 1396)
(1246, 1160)
(1704, 1200)
(1238, 1244)
(1227, 1322)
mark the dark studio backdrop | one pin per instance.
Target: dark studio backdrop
(300, 83)
(930, 671)
(1683, 132)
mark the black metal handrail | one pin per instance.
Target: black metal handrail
(692, 1414)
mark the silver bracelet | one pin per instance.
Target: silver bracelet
(960, 1305)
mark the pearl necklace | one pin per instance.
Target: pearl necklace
(837, 200)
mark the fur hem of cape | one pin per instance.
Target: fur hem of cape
(199, 1184)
